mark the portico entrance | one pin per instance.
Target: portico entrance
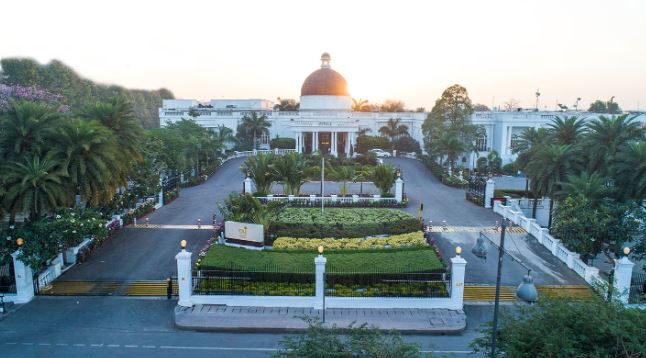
(338, 144)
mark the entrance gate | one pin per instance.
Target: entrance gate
(475, 192)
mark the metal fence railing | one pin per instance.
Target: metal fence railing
(637, 288)
(268, 281)
(367, 283)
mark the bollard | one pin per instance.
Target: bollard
(134, 221)
(199, 223)
(496, 226)
(147, 222)
(444, 225)
(169, 287)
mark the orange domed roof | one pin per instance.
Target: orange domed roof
(325, 81)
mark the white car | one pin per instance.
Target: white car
(380, 153)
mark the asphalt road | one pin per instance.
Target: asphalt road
(127, 327)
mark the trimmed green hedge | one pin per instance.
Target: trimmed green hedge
(389, 260)
(334, 222)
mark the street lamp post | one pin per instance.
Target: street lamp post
(501, 252)
(322, 179)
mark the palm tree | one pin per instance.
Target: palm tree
(550, 167)
(290, 169)
(34, 185)
(259, 169)
(383, 176)
(394, 129)
(256, 125)
(629, 171)
(344, 174)
(360, 105)
(91, 159)
(363, 132)
(24, 127)
(224, 137)
(566, 130)
(450, 146)
(592, 186)
(606, 136)
(118, 116)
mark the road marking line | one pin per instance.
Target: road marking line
(449, 352)
(96, 345)
(44, 344)
(11, 343)
(148, 346)
(114, 345)
(79, 345)
(27, 344)
(62, 344)
(222, 348)
(131, 345)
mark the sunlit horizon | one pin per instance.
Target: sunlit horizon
(409, 51)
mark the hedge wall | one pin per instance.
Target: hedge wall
(339, 223)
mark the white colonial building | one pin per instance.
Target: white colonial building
(326, 122)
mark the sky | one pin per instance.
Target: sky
(405, 50)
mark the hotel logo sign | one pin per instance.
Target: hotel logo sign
(243, 231)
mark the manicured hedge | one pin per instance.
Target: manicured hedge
(388, 260)
(339, 223)
(413, 239)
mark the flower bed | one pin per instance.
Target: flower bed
(339, 223)
(414, 239)
(170, 196)
(141, 210)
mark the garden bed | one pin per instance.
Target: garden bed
(414, 239)
(338, 223)
(388, 260)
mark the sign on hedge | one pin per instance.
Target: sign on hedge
(244, 232)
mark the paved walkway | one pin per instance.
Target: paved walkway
(283, 319)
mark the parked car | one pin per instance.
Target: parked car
(380, 153)
(411, 155)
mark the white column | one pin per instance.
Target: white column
(184, 278)
(347, 144)
(319, 264)
(24, 280)
(399, 190)
(314, 140)
(297, 138)
(622, 277)
(458, 269)
(488, 193)
(301, 142)
(247, 186)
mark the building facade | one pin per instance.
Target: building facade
(326, 122)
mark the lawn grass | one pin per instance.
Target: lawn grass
(392, 260)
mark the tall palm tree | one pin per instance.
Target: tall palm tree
(361, 105)
(91, 159)
(606, 136)
(550, 167)
(450, 146)
(566, 130)
(629, 171)
(255, 125)
(259, 169)
(117, 115)
(290, 169)
(34, 184)
(383, 176)
(24, 127)
(394, 129)
(592, 186)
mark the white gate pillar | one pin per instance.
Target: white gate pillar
(488, 193)
(458, 269)
(24, 279)
(247, 186)
(622, 277)
(184, 277)
(399, 190)
(319, 264)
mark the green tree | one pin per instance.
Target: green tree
(365, 143)
(224, 137)
(255, 125)
(383, 176)
(361, 105)
(34, 185)
(353, 341)
(629, 171)
(600, 106)
(260, 170)
(24, 129)
(246, 208)
(285, 104)
(592, 186)
(566, 130)
(394, 129)
(344, 174)
(290, 169)
(568, 328)
(90, 158)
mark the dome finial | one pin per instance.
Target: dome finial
(325, 60)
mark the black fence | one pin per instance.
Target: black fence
(638, 289)
(367, 283)
(475, 192)
(7, 278)
(268, 281)
(171, 182)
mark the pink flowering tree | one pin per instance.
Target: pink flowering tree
(28, 93)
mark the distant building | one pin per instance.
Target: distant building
(327, 123)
